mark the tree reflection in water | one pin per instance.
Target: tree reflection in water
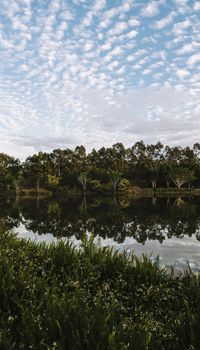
(114, 218)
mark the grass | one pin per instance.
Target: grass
(58, 297)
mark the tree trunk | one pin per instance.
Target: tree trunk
(38, 184)
(153, 183)
(154, 200)
(114, 183)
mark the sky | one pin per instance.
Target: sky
(98, 72)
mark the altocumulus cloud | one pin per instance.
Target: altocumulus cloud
(96, 72)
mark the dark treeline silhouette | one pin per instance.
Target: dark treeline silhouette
(107, 169)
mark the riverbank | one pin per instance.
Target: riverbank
(58, 297)
(132, 192)
(162, 192)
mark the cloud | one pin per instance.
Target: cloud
(147, 113)
(106, 46)
(95, 72)
(133, 22)
(162, 23)
(5, 43)
(152, 9)
(132, 34)
(181, 2)
(88, 46)
(117, 51)
(187, 48)
(194, 59)
(178, 28)
(37, 143)
(131, 58)
(119, 28)
(182, 6)
(197, 6)
(182, 73)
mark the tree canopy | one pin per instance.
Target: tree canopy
(151, 165)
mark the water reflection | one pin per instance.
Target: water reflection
(142, 219)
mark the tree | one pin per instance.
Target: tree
(119, 158)
(180, 176)
(17, 180)
(36, 168)
(9, 170)
(80, 159)
(57, 162)
(152, 160)
(165, 172)
(82, 178)
(115, 177)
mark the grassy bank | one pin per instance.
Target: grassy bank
(133, 192)
(26, 193)
(58, 297)
(162, 192)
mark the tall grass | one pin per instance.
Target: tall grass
(59, 297)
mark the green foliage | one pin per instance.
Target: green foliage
(142, 165)
(181, 175)
(58, 297)
(95, 185)
(53, 180)
(124, 184)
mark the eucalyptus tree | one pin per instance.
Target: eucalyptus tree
(63, 166)
(17, 180)
(115, 178)
(172, 158)
(120, 158)
(196, 150)
(174, 155)
(9, 170)
(181, 175)
(82, 178)
(189, 158)
(137, 163)
(166, 170)
(145, 162)
(139, 150)
(80, 159)
(97, 161)
(57, 162)
(36, 169)
(153, 161)
(107, 161)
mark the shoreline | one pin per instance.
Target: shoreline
(132, 192)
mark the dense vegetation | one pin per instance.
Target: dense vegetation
(59, 297)
(114, 168)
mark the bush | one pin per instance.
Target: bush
(95, 185)
(58, 297)
(123, 185)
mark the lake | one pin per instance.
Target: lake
(168, 227)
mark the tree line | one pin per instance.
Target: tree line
(107, 169)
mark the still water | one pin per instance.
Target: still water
(168, 227)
